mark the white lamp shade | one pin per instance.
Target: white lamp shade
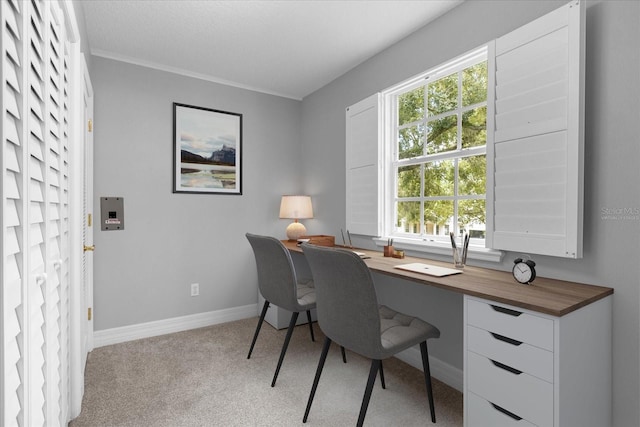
(296, 207)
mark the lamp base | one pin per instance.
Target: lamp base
(295, 230)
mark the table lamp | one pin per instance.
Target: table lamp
(295, 208)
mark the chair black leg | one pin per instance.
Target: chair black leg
(427, 378)
(316, 380)
(384, 386)
(292, 324)
(255, 336)
(344, 355)
(310, 325)
(373, 373)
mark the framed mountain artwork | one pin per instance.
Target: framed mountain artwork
(207, 150)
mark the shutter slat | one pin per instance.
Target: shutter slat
(36, 169)
(11, 158)
(11, 103)
(11, 76)
(11, 216)
(36, 259)
(36, 106)
(35, 148)
(11, 186)
(37, 71)
(35, 128)
(36, 86)
(36, 191)
(11, 22)
(53, 196)
(35, 214)
(12, 49)
(12, 245)
(35, 238)
(12, 274)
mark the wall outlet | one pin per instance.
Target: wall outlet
(195, 289)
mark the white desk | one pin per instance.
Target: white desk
(533, 355)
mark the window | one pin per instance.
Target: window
(491, 143)
(436, 140)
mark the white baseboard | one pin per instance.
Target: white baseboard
(175, 324)
(443, 371)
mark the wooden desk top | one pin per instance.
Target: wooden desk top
(550, 296)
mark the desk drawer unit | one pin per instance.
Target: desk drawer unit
(509, 361)
(492, 415)
(524, 368)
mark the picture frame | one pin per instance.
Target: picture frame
(207, 150)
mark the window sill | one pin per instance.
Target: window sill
(476, 253)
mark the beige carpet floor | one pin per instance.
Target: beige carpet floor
(202, 377)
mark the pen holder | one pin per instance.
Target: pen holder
(458, 257)
(388, 251)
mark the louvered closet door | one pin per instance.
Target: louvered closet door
(35, 227)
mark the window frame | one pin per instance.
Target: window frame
(390, 162)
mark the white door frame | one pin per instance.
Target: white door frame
(89, 217)
(81, 341)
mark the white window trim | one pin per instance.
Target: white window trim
(422, 244)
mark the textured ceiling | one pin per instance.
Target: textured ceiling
(287, 48)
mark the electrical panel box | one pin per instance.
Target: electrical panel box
(112, 213)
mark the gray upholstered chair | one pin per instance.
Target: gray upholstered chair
(349, 314)
(279, 285)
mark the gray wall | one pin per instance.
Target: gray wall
(612, 245)
(143, 273)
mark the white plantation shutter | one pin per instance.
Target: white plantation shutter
(537, 152)
(35, 222)
(363, 177)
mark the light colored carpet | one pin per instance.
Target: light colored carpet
(202, 377)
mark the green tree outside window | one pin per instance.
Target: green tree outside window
(442, 118)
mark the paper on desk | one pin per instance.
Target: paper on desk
(431, 270)
(361, 254)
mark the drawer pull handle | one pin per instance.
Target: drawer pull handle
(506, 339)
(508, 311)
(505, 367)
(504, 411)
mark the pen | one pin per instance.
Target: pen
(344, 243)
(453, 240)
(466, 247)
(349, 235)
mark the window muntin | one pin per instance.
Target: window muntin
(438, 164)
